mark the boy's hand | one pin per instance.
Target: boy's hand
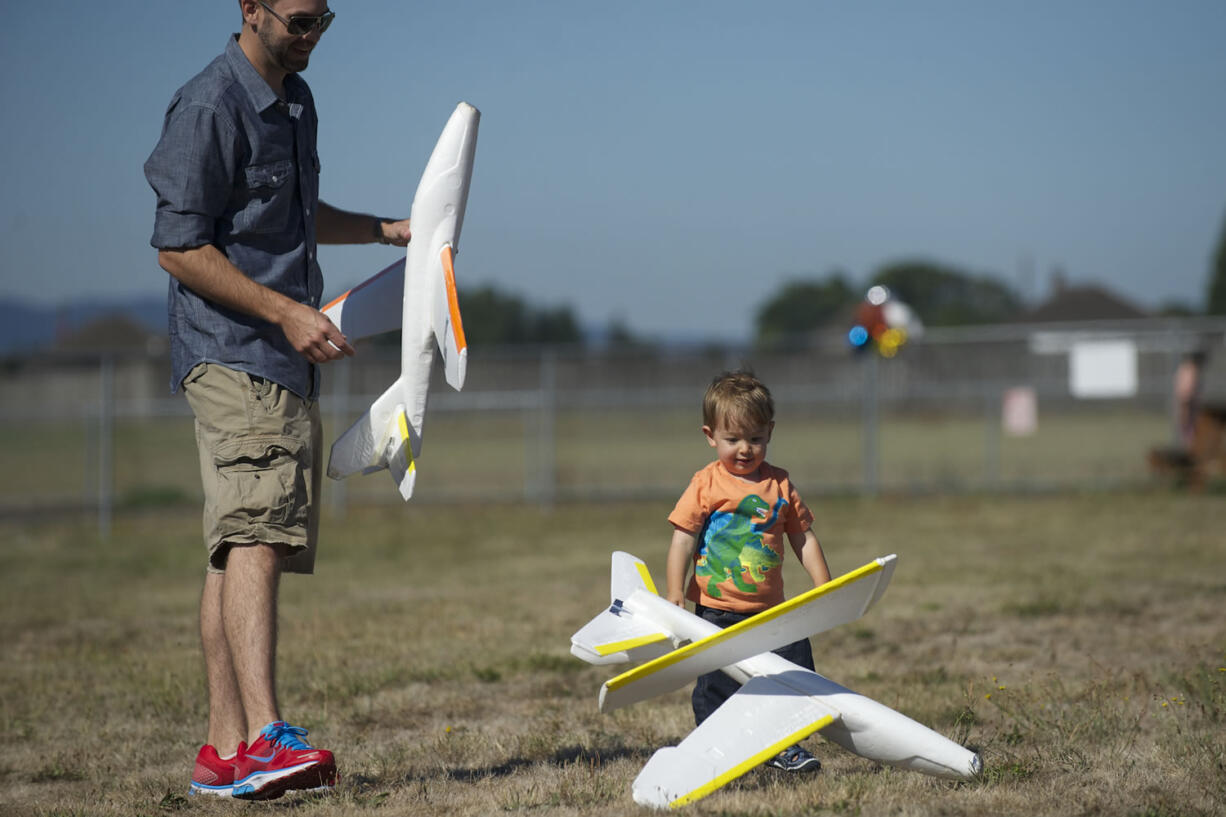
(677, 599)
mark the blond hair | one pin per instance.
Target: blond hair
(739, 399)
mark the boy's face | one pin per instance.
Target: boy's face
(740, 450)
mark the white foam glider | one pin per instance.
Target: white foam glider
(779, 702)
(417, 296)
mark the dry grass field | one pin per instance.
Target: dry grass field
(1077, 641)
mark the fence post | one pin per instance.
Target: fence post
(992, 399)
(106, 445)
(869, 423)
(546, 430)
(1174, 348)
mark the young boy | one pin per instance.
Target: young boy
(731, 522)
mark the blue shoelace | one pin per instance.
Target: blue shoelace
(282, 734)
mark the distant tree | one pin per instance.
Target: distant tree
(621, 338)
(1175, 309)
(944, 296)
(493, 318)
(1215, 303)
(801, 307)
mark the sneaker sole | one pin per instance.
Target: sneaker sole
(813, 765)
(310, 777)
(215, 791)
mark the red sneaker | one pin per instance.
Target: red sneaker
(213, 775)
(280, 761)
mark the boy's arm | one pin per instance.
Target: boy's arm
(680, 552)
(811, 556)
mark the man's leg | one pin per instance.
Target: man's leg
(249, 615)
(277, 759)
(227, 721)
(259, 463)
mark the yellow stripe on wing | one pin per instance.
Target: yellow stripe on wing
(765, 616)
(629, 643)
(645, 575)
(753, 761)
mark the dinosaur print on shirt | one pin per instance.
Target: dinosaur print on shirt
(732, 546)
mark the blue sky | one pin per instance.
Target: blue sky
(668, 164)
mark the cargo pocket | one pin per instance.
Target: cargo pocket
(260, 482)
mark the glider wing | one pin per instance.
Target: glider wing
(834, 603)
(763, 718)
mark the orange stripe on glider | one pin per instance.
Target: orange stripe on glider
(336, 300)
(453, 301)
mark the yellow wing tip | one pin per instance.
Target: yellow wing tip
(752, 762)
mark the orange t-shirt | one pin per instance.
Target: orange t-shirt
(738, 564)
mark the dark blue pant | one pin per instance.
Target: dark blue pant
(712, 689)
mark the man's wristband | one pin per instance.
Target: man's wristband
(377, 226)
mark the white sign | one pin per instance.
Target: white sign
(1103, 368)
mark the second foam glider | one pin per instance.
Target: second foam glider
(779, 703)
(417, 296)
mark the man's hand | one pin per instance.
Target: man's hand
(313, 335)
(397, 232)
(208, 273)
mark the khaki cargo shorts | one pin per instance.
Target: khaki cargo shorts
(260, 463)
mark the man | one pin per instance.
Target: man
(238, 219)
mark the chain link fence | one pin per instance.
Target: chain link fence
(981, 409)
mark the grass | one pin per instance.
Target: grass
(1076, 641)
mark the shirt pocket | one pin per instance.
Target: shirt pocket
(270, 198)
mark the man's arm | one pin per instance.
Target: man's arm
(208, 273)
(680, 552)
(336, 226)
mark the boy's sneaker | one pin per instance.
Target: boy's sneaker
(795, 759)
(212, 775)
(279, 761)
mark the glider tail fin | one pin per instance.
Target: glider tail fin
(629, 573)
(382, 438)
(616, 635)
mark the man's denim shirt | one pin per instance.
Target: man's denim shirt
(237, 167)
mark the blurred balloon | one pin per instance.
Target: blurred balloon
(883, 322)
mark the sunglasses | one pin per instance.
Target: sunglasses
(299, 25)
